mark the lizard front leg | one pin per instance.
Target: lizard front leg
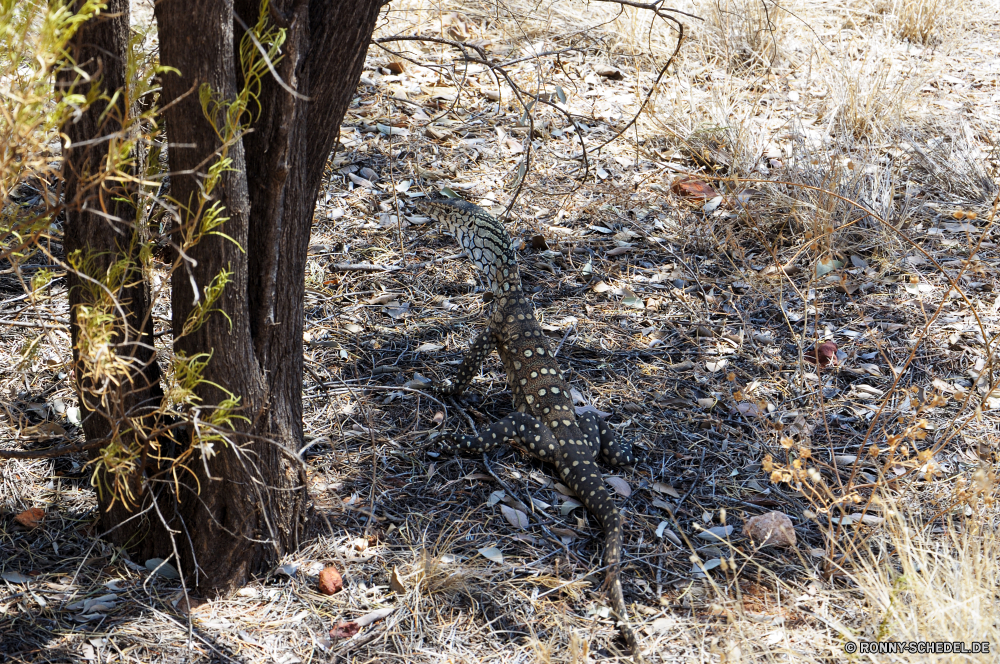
(471, 363)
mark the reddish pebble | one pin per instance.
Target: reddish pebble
(330, 581)
(772, 529)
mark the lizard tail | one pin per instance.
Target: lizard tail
(612, 560)
(621, 613)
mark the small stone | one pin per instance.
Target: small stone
(822, 355)
(771, 529)
(607, 71)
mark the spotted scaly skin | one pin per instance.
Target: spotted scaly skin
(545, 422)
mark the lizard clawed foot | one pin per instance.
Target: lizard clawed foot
(448, 389)
(450, 443)
(445, 442)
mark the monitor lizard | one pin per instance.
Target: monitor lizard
(545, 421)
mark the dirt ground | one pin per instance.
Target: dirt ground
(801, 174)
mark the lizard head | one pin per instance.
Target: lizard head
(436, 208)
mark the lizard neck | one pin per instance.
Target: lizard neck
(495, 256)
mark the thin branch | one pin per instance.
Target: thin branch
(53, 451)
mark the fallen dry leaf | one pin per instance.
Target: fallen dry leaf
(619, 484)
(396, 583)
(436, 133)
(187, 605)
(600, 287)
(565, 534)
(383, 298)
(516, 517)
(693, 188)
(345, 630)
(30, 518)
(662, 487)
(374, 616)
(492, 553)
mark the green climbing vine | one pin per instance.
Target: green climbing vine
(34, 43)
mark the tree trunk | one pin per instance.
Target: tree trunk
(233, 506)
(256, 511)
(100, 225)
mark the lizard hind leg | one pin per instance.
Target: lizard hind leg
(613, 450)
(522, 427)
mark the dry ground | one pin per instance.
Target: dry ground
(842, 140)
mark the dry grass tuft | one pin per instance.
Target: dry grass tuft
(869, 90)
(442, 574)
(932, 580)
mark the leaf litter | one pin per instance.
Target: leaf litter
(376, 323)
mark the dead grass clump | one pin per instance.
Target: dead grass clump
(869, 91)
(932, 580)
(577, 651)
(920, 21)
(745, 34)
(442, 574)
(848, 204)
(911, 576)
(953, 169)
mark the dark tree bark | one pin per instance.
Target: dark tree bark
(100, 225)
(235, 514)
